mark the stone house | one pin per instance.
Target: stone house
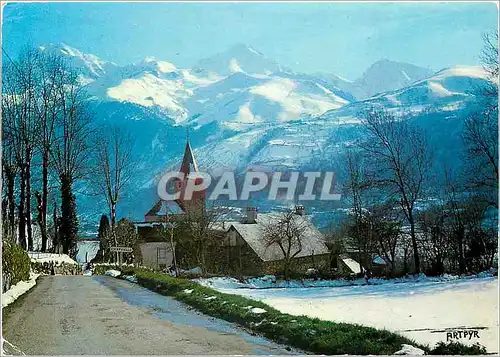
(246, 251)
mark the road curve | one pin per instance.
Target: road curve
(70, 315)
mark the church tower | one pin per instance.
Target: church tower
(196, 204)
(188, 167)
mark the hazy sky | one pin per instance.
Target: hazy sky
(340, 38)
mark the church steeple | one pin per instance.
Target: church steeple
(197, 200)
(188, 164)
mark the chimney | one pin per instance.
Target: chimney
(300, 210)
(251, 214)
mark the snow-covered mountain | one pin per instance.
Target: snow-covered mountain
(238, 87)
(90, 66)
(385, 75)
(239, 58)
(246, 111)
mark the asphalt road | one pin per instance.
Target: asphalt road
(72, 315)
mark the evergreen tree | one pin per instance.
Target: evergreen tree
(103, 235)
(69, 218)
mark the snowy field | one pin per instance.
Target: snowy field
(422, 310)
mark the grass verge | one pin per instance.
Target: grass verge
(302, 332)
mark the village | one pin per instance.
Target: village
(249, 200)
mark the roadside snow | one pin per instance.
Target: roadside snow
(51, 257)
(113, 273)
(131, 278)
(257, 310)
(8, 349)
(19, 289)
(410, 350)
(269, 281)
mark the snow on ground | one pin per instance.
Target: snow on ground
(51, 257)
(8, 349)
(131, 278)
(86, 249)
(269, 281)
(113, 273)
(8, 298)
(410, 350)
(423, 310)
(19, 289)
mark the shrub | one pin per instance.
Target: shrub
(15, 265)
(455, 348)
(49, 268)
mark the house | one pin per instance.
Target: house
(248, 252)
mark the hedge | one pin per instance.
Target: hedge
(15, 265)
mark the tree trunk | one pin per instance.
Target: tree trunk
(172, 247)
(11, 201)
(55, 240)
(286, 269)
(414, 242)
(38, 197)
(112, 215)
(461, 259)
(28, 204)
(4, 218)
(21, 209)
(43, 203)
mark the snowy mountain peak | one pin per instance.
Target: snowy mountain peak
(247, 58)
(386, 75)
(91, 66)
(149, 59)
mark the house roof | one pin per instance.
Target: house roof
(313, 242)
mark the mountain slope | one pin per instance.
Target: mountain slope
(385, 75)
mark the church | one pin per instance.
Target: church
(240, 248)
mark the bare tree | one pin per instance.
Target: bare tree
(52, 74)
(387, 232)
(400, 158)
(168, 233)
(19, 114)
(126, 236)
(199, 230)
(481, 139)
(433, 225)
(9, 171)
(70, 149)
(489, 58)
(113, 168)
(481, 128)
(288, 233)
(355, 187)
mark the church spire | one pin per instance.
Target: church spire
(188, 161)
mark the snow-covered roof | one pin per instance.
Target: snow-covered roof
(352, 265)
(313, 242)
